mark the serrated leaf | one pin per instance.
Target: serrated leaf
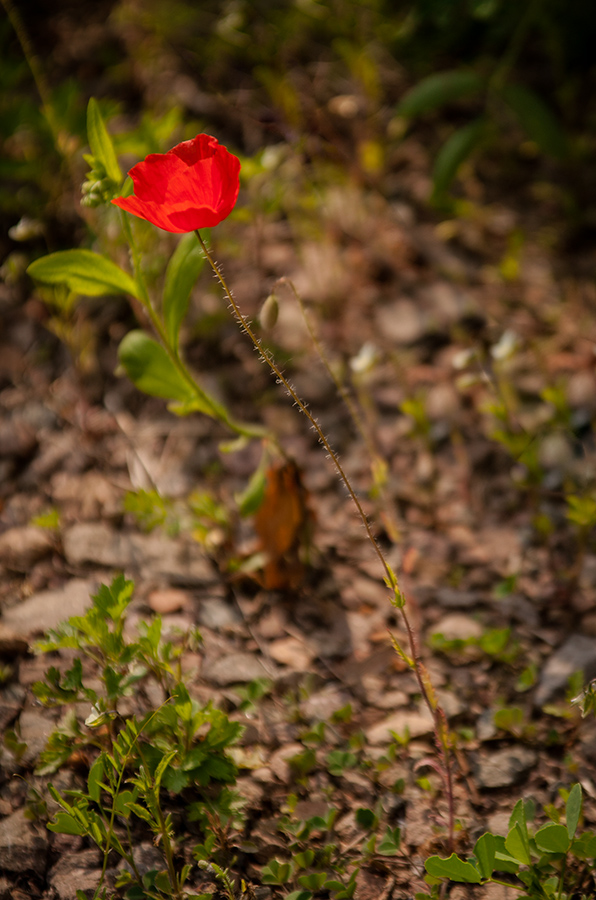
(100, 142)
(484, 851)
(553, 838)
(437, 90)
(453, 153)
(573, 809)
(181, 274)
(453, 868)
(537, 120)
(84, 272)
(518, 845)
(150, 368)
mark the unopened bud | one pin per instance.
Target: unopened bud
(269, 313)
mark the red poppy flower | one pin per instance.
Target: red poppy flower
(194, 185)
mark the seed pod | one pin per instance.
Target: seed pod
(269, 313)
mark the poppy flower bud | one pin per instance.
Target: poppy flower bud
(269, 313)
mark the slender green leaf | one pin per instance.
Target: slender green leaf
(437, 90)
(95, 777)
(484, 851)
(573, 809)
(100, 142)
(66, 824)
(454, 868)
(518, 845)
(518, 815)
(150, 368)
(537, 120)
(181, 274)
(453, 153)
(84, 272)
(553, 838)
(250, 499)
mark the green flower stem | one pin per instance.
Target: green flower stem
(439, 718)
(217, 411)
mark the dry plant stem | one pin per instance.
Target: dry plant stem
(439, 718)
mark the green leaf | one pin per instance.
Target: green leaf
(95, 777)
(101, 142)
(453, 153)
(299, 895)
(150, 368)
(389, 843)
(519, 815)
(313, 881)
(573, 809)
(553, 838)
(535, 117)
(66, 824)
(84, 272)
(276, 872)
(504, 862)
(518, 845)
(365, 818)
(181, 274)
(484, 851)
(250, 499)
(454, 868)
(584, 847)
(437, 90)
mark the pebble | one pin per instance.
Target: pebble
(504, 768)
(182, 561)
(23, 847)
(23, 546)
(403, 722)
(236, 668)
(578, 653)
(290, 651)
(47, 609)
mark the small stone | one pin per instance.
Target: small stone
(216, 613)
(168, 600)
(505, 767)
(236, 668)
(278, 761)
(180, 559)
(404, 722)
(291, 652)
(577, 654)
(35, 727)
(22, 547)
(47, 609)
(76, 872)
(12, 643)
(457, 626)
(23, 847)
(401, 322)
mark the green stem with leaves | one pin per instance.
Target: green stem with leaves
(217, 410)
(398, 600)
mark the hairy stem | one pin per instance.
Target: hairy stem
(439, 718)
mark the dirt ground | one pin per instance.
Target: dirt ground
(435, 335)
